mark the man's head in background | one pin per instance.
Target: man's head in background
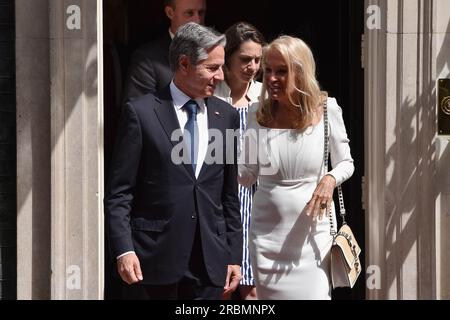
(180, 12)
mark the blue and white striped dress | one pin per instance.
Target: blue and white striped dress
(245, 199)
(223, 92)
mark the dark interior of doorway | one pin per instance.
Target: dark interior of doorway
(8, 143)
(333, 29)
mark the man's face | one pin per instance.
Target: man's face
(200, 81)
(185, 11)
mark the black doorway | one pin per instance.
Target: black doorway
(333, 29)
(8, 144)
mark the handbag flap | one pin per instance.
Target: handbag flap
(341, 274)
(347, 242)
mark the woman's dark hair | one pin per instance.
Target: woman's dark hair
(239, 33)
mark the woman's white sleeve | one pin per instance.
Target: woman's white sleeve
(341, 159)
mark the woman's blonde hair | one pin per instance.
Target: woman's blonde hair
(302, 89)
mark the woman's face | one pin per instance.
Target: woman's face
(276, 76)
(245, 62)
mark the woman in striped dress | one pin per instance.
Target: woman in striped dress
(243, 53)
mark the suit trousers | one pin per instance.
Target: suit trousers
(194, 285)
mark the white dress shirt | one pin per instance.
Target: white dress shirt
(171, 34)
(179, 100)
(223, 92)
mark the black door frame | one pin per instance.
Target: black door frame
(8, 193)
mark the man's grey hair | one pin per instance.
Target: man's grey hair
(194, 41)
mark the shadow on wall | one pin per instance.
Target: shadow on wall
(443, 179)
(414, 170)
(74, 91)
(33, 151)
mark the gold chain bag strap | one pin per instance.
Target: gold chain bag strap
(345, 264)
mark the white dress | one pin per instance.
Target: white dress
(289, 251)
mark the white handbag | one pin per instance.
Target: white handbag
(345, 264)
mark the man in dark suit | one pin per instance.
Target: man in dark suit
(175, 228)
(149, 69)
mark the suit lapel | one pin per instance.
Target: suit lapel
(166, 115)
(214, 115)
(214, 118)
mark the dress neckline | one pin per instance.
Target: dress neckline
(291, 129)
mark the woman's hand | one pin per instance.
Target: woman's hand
(232, 280)
(322, 198)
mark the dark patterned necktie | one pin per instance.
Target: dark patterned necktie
(191, 126)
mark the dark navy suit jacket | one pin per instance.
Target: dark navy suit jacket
(149, 69)
(153, 206)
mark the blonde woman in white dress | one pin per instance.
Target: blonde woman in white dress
(290, 237)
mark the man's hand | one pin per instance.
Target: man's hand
(233, 278)
(129, 268)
